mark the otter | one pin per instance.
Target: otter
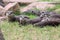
(48, 21)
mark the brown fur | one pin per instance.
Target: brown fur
(50, 21)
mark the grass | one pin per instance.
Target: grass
(12, 31)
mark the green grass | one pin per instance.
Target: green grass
(12, 31)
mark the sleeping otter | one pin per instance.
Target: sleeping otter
(48, 21)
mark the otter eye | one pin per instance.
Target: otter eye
(32, 11)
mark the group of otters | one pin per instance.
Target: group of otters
(43, 18)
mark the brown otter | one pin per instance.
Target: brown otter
(50, 21)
